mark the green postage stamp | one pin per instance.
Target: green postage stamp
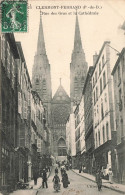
(14, 16)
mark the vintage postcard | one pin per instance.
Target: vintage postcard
(62, 97)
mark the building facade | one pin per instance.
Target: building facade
(60, 112)
(119, 96)
(23, 116)
(88, 118)
(78, 68)
(80, 134)
(103, 105)
(8, 143)
(70, 139)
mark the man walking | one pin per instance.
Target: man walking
(44, 177)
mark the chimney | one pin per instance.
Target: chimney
(95, 56)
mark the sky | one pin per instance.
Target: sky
(59, 29)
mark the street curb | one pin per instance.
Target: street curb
(114, 189)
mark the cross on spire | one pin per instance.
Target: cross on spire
(40, 13)
(60, 80)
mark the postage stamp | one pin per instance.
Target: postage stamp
(14, 16)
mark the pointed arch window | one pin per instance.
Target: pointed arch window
(37, 79)
(44, 87)
(75, 86)
(82, 81)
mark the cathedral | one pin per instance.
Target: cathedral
(59, 107)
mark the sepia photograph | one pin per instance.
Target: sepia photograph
(62, 97)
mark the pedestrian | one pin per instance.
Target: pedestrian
(44, 177)
(80, 167)
(99, 179)
(56, 181)
(56, 170)
(35, 176)
(62, 170)
(49, 168)
(65, 179)
(110, 175)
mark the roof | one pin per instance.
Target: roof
(60, 93)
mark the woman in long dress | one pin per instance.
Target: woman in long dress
(65, 179)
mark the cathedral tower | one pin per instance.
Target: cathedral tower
(41, 78)
(78, 68)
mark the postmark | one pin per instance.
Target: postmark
(14, 16)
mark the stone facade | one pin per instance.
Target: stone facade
(119, 96)
(88, 110)
(103, 101)
(60, 112)
(23, 115)
(8, 113)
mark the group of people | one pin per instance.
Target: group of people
(64, 180)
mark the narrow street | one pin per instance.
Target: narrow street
(78, 186)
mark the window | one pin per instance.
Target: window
(99, 137)
(107, 131)
(102, 112)
(122, 134)
(37, 79)
(120, 99)
(12, 72)
(104, 80)
(103, 130)
(95, 76)
(8, 59)
(44, 87)
(96, 93)
(102, 60)
(99, 67)
(97, 109)
(123, 64)
(94, 97)
(105, 97)
(75, 86)
(96, 141)
(93, 82)
(100, 86)
(119, 77)
(3, 50)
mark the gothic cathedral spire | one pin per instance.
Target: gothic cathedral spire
(77, 38)
(41, 43)
(78, 68)
(41, 75)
